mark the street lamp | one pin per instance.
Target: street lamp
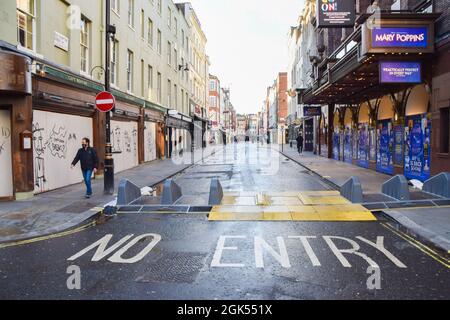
(109, 161)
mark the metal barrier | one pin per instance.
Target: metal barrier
(171, 192)
(215, 192)
(396, 187)
(127, 193)
(352, 190)
(438, 185)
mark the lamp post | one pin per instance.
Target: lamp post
(109, 161)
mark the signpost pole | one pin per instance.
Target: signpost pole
(109, 161)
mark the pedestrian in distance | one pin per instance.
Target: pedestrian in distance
(300, 143)
(89, 163)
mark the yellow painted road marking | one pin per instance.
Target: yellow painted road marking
(323, 200)
(420, 246)
(263, 199)
(51, 236)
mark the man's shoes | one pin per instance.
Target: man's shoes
(88, 196)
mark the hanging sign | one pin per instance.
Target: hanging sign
(400, 37)
(400, 72)
(335, 13)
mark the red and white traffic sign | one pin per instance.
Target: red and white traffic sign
(105, 101)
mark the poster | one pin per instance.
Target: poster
(336, 145)
(385, 142)
(398, 144)
(348, 145)
(417, 147)
(363, 146)
(372, 145)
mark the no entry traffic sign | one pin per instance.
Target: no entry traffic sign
(105, 101)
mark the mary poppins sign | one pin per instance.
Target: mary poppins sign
(335, 13)
(412, 37)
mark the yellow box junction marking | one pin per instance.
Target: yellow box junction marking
(289, 206)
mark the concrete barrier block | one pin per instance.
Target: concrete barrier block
(396, 187)
(215, 192)
(127, 193)
(171, 192)
(352, 190)
(438, 185)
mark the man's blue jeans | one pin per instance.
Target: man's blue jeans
(87, 174)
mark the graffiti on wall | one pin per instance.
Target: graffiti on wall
(5, 134)
(55, 143)
(124, 144)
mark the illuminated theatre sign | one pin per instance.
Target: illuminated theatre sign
(335, 13)
(398, 37)
(405, 37)
(400, 72)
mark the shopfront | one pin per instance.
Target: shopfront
(385, 72)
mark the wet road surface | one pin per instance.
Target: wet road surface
(185, 256)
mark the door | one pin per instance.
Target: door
(309, 135)
(6, 185)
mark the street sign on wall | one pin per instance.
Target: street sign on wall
(335, 13)
(104, 101)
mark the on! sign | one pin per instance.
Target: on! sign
(335, 13)
(415, 37)
(105, 101)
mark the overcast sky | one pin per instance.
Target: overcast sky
(247, 44)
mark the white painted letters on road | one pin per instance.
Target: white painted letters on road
(379, 245)
(309, 251)
(354, 250)
(220, 248)
(101, 251)
(117, 257)
(282, 257)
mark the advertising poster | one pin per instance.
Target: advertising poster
(400, 72)
(400, 37)
(398, 144)
(385, 142)
(335, 13)
(348, 145)
(363, 146)
(336, 145)
(372, 145)
(417, 147)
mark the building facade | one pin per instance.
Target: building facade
(52, 69)
(373, 114)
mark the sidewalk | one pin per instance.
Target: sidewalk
(64, 208)
(430, 224)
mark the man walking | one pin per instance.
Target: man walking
(89, 163)
(299, 143)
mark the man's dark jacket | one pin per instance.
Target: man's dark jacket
(87, 157)
(300, 140)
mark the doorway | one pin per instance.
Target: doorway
(6, 187)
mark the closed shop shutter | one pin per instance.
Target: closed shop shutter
(6, 185)
(56, 140)
(124, 143)
(150, 141)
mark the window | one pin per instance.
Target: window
(129, 71)
(169, 53)
(150, 80)
(159, 7)
(175, 94)
(150, 32)
(115, 5)
(175, 59)
(142, 78)
(182, 100)
(444, 130)
(212, 85)
(158, 43)
(158, 88)
(182, 38)
(175, 25)
(84, 44)
(114, 59)
(169, 93)
(142, 24)
(212, 101)
(169, 17)
(131, 13)
(25, 23)
(182, 69)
